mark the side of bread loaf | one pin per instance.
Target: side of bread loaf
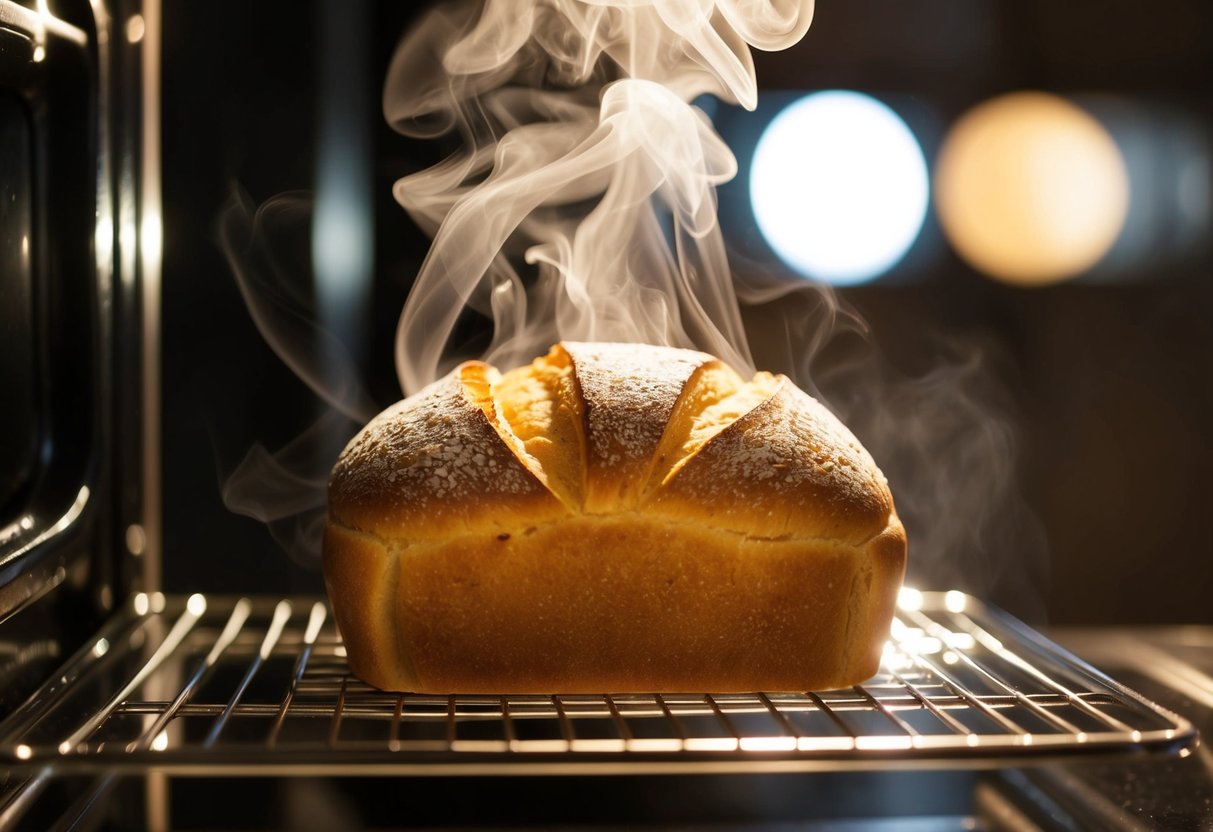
(610, 518)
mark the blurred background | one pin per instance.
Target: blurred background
(1016, 198)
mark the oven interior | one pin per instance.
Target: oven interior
(169, 664)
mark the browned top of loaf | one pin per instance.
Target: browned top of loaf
(664, 432)
(628, 393)
(787, 468)
(434, 466)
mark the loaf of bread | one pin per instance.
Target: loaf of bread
(610, 518)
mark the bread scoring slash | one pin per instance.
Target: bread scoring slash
(611, 518)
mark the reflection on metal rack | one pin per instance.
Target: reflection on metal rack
(262, 687)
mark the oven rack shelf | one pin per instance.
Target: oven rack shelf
(260, 686)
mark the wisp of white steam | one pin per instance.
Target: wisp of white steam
(584, 157)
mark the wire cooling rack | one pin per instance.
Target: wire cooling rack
(220, 686)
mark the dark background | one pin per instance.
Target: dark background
(1106, 384)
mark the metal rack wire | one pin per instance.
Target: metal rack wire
(257, 686)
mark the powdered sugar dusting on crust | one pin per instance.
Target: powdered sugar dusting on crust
(435, 464)
(436, 449)
(630, 391)
(788, 466)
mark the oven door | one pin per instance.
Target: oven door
(59, 303)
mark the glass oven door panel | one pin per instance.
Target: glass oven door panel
(56, 297)
(19, 413)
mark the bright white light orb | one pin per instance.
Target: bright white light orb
(839, 187)
(1031, 189)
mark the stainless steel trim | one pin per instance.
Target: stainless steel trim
(62, 524)
(39, 22)
(151, 249)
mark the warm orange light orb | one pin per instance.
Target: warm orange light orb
(1030, 189)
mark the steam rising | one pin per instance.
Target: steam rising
(582, 151)
(279, 299)
(948, 441)
(285, 489)
(583, 206)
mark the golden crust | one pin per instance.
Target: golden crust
(767, 556)
(426, 468)
(629, 391)
(786, 469)
(623, 603)
(361, 576)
